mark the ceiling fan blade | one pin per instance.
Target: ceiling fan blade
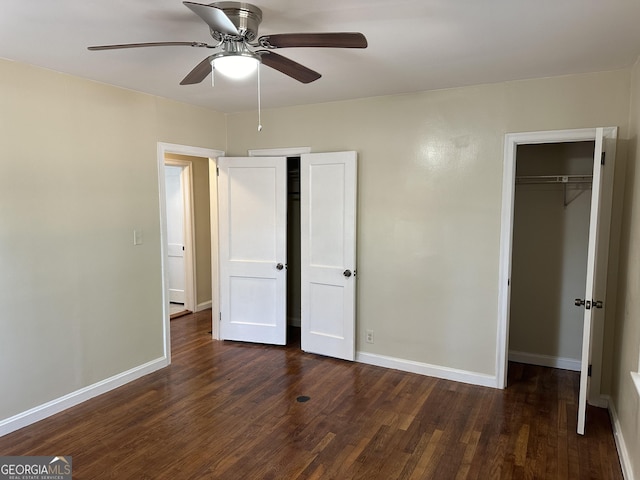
(149, 44)
(331, 40)
(214, 17)
(199, 73)
(288, 67)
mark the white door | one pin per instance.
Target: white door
(328, 253)
(252, 244)
(597, 252)
(175, 233)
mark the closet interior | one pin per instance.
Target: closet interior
(549, 259)
(293, 247)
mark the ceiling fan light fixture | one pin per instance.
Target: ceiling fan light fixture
(236, 66)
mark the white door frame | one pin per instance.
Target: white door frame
(279, 152)
(162, 150)
(512, 140)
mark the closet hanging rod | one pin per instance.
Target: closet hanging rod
(565, 179)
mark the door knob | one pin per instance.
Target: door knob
(597, 303)
(347, 273)
(279, 266)
(587, 304)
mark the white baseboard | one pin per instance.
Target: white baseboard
(621, 446)
(57, 405)
(545, 360)
(445, 373)
(203, 306)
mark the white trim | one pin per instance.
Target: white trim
(279, 152)
(511, 142)
(163, 149)
(545, 360)
(635, 376)
(215, 256)
(621, 446)
(203, 306)
(190, 151)
(410, 366)
(72, 399)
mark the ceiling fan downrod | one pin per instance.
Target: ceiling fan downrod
(259, 113)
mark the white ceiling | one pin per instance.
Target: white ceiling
(414, 45)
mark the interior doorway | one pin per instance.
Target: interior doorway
(294, 294)
(178, 182)
(254, 262)
(180, 225)
(593, 300)
(549, 260)
(183, 155)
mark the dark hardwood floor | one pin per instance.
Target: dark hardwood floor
(227, 410)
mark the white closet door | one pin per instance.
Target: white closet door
(328, 253)
(596, 257)
(175, 233)
(252, 240)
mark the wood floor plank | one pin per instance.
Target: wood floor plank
(228, 410)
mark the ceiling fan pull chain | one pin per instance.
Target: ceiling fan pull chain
(259, 113)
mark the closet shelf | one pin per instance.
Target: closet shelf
(543, 179)
(579, 183)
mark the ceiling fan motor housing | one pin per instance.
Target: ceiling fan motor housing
(245, 16)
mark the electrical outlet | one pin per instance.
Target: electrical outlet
(369, 336)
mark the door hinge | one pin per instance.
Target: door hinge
(589, 370)
(217, 171)
(219, 316)
(602, 158)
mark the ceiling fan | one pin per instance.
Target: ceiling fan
(239, 50)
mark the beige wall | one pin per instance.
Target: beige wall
(549, 258)
(81, 303)
(430, 186)
(202, 225)
(626, 349)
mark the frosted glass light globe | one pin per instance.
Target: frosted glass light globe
(235, 66)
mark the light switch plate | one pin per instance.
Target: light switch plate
(137, 236)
